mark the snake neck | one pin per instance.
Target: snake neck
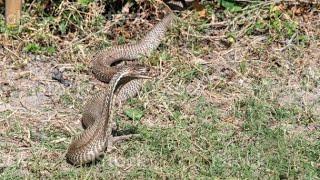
(115, 83)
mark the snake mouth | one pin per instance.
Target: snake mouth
(151, 73)
(145, 76)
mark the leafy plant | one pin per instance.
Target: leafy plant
(134, 114)
(36, 48)
(230, 5)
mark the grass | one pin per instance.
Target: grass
(237, 97)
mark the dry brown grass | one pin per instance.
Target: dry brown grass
(222, 75)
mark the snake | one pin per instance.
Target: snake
(103, 71)
(124, 82)
(90, 145)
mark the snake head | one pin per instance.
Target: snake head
(142, 72)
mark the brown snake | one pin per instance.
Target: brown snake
(93, 141)
(124, 83)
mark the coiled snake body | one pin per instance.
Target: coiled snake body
(124, 83)
(93, 141)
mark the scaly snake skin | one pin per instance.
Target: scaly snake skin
(103, 70)
(124, 83)
(89, 145)
(101, 65)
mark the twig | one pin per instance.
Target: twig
(13, 53)
(30, 6)
(289, 43)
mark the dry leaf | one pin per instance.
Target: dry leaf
(126, 8)
(202, 13)
(228, 119)
(279, 8)
(197, 6)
